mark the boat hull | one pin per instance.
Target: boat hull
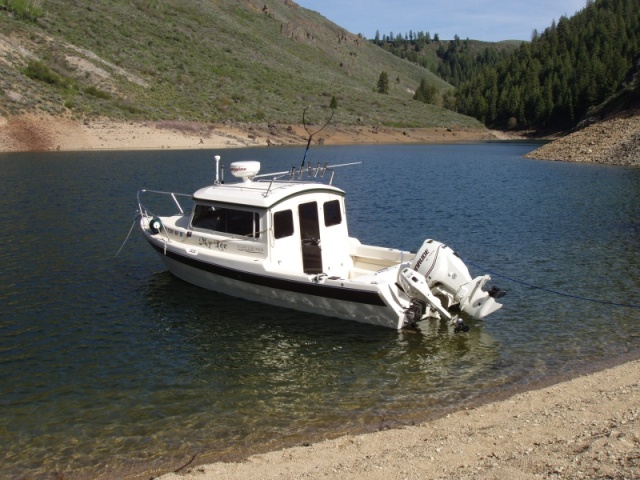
(361, 302)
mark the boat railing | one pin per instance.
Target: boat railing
(174, 196)
(297, 174)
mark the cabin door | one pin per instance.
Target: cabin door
(310, 237)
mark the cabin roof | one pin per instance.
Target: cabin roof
(262, 193)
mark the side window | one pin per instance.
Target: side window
(227, 220)
(205, 217)
(283, 224)
(239, 222)
(332, 213)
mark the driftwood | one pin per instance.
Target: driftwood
(186, 464)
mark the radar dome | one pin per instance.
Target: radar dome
(245, 170)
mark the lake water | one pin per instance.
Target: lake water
(109, 366)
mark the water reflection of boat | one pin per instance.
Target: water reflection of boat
(280, 375)
(282, 239)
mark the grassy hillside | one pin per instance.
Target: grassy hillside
(452, 60)
(203, 60)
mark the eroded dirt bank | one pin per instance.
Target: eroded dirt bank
(45, 133)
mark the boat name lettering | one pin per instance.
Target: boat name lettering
(209, 243)
(250, 249)
(421, 259)
(177, 233)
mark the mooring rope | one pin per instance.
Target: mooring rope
(128, 235)
(555, 292)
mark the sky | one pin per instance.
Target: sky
(487, 20)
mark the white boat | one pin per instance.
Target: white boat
(282, 239)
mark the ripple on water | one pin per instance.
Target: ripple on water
(113, 365)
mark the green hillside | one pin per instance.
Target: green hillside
(564, 74)
(454, 60)
(203, 60)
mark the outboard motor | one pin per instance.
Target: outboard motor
(443, 281)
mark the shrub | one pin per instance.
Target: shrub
(37, 70)
(96, 92)
(426, 92)
(128, 107)
(27, 9)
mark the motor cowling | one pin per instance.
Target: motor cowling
(449, 280)
(440, 264)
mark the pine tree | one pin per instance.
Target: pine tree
(383, 83)
(425, 93)
(554, 80)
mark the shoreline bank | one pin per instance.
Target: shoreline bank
(26, 133)
(614, 141)
(585, 427)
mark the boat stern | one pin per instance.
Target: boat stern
(439, 284)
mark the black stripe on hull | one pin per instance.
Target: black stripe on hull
(318, 290)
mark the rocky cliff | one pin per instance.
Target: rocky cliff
(615, 141)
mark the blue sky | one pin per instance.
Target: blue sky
(488, 20)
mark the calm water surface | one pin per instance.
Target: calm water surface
(110, 366)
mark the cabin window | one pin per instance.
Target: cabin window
(309, 225)
(227, 220)
(332, 213)
(283, 224)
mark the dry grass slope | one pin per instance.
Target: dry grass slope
(219, 61)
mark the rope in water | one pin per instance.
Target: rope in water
(128, 235)
(555, 292)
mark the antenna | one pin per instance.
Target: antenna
(217, 159)
(308, 126)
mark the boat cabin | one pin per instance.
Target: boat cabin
(289, 225)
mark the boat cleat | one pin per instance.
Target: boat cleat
(320, 278)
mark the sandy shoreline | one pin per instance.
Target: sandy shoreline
(587, 427)
(46, 133)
